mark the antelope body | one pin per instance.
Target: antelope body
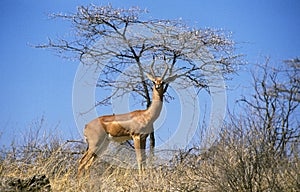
(136, 125)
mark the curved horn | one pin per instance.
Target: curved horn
(151, 67)
(166, 69)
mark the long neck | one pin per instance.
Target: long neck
(156, 104)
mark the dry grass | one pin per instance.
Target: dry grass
(231, 165)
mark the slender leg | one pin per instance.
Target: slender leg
(85, 162)
(93, 151)
(89, 163)
(152, 144)
(143, 150)
(137, 147)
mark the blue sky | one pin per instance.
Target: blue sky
(36, 82)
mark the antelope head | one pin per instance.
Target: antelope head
(159, 82)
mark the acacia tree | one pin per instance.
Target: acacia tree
(132, 41)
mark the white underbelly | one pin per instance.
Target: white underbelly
(119, 139)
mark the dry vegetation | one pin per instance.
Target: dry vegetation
(258, 150)
(239, 162)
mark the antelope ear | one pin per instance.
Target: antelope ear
(170, 79)
(150, 77)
